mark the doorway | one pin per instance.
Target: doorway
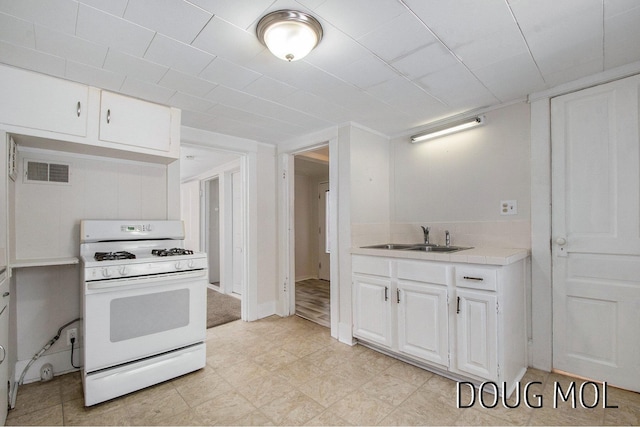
(312, 260)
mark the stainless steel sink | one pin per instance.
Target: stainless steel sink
(417, 247)
(391, 246)
(432, 248)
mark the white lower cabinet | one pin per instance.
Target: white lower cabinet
(466, 319)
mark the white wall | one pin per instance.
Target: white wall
(47, 218)
(457, 182)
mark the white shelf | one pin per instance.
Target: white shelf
(43, 262)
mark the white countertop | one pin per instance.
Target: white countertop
(479, 255)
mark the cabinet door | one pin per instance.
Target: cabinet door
(372, 309)
(477, 331)
(133, 122)
(4, 342)
(423, 321)
(41, 102)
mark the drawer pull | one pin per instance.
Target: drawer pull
(108, 116)
(479, 279)
(79, 108)
(398, 295)
(458, 306)
(386, 293)
(6, 294)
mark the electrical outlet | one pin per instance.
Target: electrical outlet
(72, 333)
(508, 207)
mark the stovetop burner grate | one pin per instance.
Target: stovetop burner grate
(110, 256)
(171, 252)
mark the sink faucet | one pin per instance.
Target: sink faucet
(447, 238)
(425, 230)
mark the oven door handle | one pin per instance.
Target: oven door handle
(143, 281)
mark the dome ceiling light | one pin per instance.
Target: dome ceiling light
(288, 34)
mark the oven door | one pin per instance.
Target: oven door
(130, 319)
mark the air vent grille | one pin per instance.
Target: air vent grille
(46, 172)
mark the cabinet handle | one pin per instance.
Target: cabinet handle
(6, 294)
(398, 295)
(458, 306)
(79, 108)
(386, 293)
(108, 116)
(4, 354)
(479, 279)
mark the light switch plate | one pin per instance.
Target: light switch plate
(508, 207)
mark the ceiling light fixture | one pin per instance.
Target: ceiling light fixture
(448, 128)
(290, 35)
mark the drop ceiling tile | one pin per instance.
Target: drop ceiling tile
(188, 102)
(408, 97)
(145, 90)
(116, 33)
(268, 88)
(231, 97)
(214, 39)
(17, 31)
(185, 83)
(398, 37)
(135, 67)
(322, 108)
(427, 60)
(583, 69)
(458, 88)
(496, 47)
(229, 11)
(177, 19)
(511, 78)
(177, 55)
(31, 59)
(622, 38)
(358, 17)
(114, 7)
(92, 76)
(229, 74)
(335, 51)
(617, 7)
(70, 47)
(366, 73)
(57, 14)
(285, 114)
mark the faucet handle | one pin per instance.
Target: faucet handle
(425, 229)
(447, 238)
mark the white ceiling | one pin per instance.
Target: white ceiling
(390, 65)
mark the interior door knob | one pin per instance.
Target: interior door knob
(561, 241)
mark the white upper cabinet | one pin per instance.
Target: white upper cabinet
(41, 102)
(128, 121)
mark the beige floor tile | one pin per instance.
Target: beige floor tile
(275, 359)
(242, 373)
(389, 389)
(224, 410)
(294, 408)
(109, 413)
(300, 372)
(628, 415)
(256, 418)
(151, 410)
(327, 389)
(47, 416)
(423, 413)
(360, 408)
(36, 396)
(265, 389)
(409, 373)
(471, 417)
(203, 389)
(327, 418)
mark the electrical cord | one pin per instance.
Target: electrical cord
(73, 340)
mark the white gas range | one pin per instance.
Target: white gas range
(143, 303)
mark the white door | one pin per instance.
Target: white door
(324, 266)
(422, 321)
(237, 234)
(372, 309)
(596, 233)
(477, 332)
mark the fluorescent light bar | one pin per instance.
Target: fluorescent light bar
(448, 129)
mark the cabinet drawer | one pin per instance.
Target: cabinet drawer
(371, 265)
(422, 271)
(477, 278)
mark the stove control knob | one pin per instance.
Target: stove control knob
(106, 272)
(191, 264)
(178, 265)
(122, 270)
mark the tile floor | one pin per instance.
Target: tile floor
(288, 371)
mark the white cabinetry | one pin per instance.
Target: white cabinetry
(4, 345)
(62, 114)
(42, 102)
(466, 319)
(124, 120)
(402, 305)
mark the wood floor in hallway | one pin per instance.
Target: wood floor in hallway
(312, 301)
